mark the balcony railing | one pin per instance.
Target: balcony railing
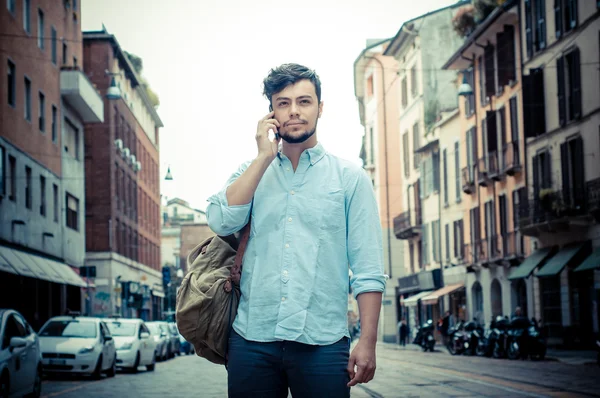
(468, 180)
(553, 210)
(494, 169)
(483, 178)
(512, 160)
(513, 245)
(482, 252)
(469, 254)
(408, 224)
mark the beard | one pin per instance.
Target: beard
(301, 138)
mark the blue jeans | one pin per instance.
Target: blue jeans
(268, 369)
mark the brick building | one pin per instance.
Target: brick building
(45, 100)
(122, 186)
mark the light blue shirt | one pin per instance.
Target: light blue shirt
(308, 228)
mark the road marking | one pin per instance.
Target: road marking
(71, 389)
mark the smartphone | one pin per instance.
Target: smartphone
(276, 131)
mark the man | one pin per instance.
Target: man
(313, 216)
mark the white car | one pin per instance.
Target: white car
(161, 338)
(20, 360)
(78, 344)
(134, 345)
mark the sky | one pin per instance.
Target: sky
(206, 60)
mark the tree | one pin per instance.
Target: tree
(138, 66)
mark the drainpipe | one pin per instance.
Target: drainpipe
(387, 186)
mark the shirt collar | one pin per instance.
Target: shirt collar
(314, 154)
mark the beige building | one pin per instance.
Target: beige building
(375, 87)
(562, 118)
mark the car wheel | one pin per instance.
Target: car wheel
(136, 365)
(4, 385)
(37, 385)
(150, 368)
(98, 370)
(113, 368)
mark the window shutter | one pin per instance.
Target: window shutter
(547, 170)
(445, 171)
(558, 18)
(528, 29)
(457, 170)
(572, 4)
(509, 60)
(436, 171)
(540, 9)
(562, 104)
(579, 172)
(576, 83)
(536, 176)
(501, 52)
(490, 81)
(492, 131)
(447, 240)
(564, 168)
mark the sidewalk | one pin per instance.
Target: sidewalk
(571, 357)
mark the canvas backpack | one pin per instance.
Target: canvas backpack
(209, 294)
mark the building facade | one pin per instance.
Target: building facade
(122, 187)
(560, 208)
(376, 90)
(420, 48)
(43, 108)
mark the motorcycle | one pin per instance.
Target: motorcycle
(473, 333)
(425, 337)
(500, 337)
(525, 340)
(457, 338)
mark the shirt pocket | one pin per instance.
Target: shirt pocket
(327, 211)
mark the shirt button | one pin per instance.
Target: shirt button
(292, 192)
(290, 219)
(283, 299)
(287, 245)
(287, 168)
(285, 273)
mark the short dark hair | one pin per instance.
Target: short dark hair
(284, 75)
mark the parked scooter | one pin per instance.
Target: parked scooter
(525, 340)
(500, 337)
(473, 333)
(425, 337)
(457, 337)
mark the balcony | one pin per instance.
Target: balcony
(483, 178)
(81, 95)
(512, 162)
(495, 171)
(553, 212)
(468, 180)
(513, 248)
(408, 225)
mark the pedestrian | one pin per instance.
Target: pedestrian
(313, 217)
(403, 330)
(445, 327)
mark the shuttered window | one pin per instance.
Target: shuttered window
(445, 175)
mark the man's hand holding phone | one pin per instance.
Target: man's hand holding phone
(266, 147)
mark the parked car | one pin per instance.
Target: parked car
(184, 346)
(161, 338)
(174, 332)
(78, 344)
(134, 345)
(20, 359)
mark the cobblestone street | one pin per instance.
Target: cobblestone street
(400, 373)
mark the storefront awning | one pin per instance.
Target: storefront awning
(433, 298)
(557, 263)
(412, 300)
(531, 263)
(34, 266)
(6, 267)
(591, 262)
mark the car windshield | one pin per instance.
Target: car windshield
(154, 328)
(71, 328)
(121, 328)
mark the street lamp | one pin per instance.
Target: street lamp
(465, 88)
(169, 176)
(113, 92)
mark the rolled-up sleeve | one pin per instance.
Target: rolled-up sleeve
(222, 218)
(364, 238)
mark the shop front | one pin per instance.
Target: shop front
(411, 289)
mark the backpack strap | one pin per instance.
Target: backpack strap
(236, 270)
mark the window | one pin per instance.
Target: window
(573, 172)
(481, 73)
(416, 145)
(490, 70)
(64, 53)
(54, 121)
(435, 171)
(411, 252)
(404, 93)
(27, 15)
(27, 99)
(445, 171)
(405, 151)
(71, 139)
(72, 212)
(542, 172)
(55, 201)
(458, 239)
(507, 72)
(519, 197)
(514, 123)
(435, 242)
(470, 99)
(535, 26)
(53, 45)
(11, 84)
(471, 152)
(475, 226)
(28, 198)
(414, 89)
(12, 167)
(503, 220)
(424, 246)
(371, 146)
(457, 171)
(42, 113)
(40, 32)
(447, 241)
(43, 196)
(11, 6)
(568, 71)
(534, 109)
(565, 16)
(2, 172)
